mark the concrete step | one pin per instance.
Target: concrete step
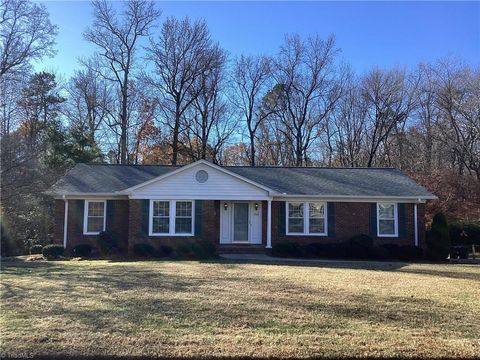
(241, 249)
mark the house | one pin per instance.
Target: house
(238, 208)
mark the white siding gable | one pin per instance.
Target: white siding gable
(184, 185)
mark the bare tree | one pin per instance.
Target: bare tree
(252, 79)
(458, 97)
(310, 90)
(117, 36)
(26, 34)
(181, 54)
(388, 100)
(89, 102)
(209, 110)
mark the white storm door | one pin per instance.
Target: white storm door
(241, 218)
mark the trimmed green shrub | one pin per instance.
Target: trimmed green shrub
(82, 250)
(361, 247)
(313, 250)
(144, 250)
(361, 240)
(438, 238)
(184, 251)
(204, 249)
(287, 249)
(165, 251)
(53, 251)
(107, 243)
(465, 233)
(36, 249)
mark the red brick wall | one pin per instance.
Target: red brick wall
(353, 219)
(119, 225)
(350, 219)
(210, 228)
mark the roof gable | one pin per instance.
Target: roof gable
(193, 168)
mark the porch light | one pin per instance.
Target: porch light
(225, 206)
(256, 206)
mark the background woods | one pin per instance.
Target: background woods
(163, 91)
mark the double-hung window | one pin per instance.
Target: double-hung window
(387, 219)
(171, 217)
(94, 217)
(306, 218)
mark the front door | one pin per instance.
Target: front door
(240, 222)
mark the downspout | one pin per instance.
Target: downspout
(65, 222)
(415, 223)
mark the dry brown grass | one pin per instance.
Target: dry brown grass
(225, 309)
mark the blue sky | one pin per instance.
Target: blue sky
(369, 34)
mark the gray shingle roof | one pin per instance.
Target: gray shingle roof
(358, 182)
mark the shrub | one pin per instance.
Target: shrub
(165, 251)
(107, 242)
(392, 250)
(82, 250)
(287, 249)
(459, 252)
(204, 249)
(361, 247)
(184, 251)
(334, 251)
(438, 238)
(409, 252)
(52, 251)
(361, 240)
(36, 249)
(313, 250)
(465, 233)
(143, 250)
(404, 252)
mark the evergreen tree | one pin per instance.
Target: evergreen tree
(438, 239)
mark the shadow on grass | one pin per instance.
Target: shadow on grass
(474, 274)
(129, 300)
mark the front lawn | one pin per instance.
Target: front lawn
(225, 309)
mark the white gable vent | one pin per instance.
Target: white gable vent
(201, 176)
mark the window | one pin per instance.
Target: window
(183, 217)
(94, 217)
(306, 218)
(316, 218)
(295, 218)
(161, 217)
(387, 223)
(171, 217)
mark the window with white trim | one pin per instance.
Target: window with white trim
(171, 217)
(387, 219)
(306, 218)
(161, 217)
(183, 217)
(94, 217)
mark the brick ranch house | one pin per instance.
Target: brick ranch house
(238, 208)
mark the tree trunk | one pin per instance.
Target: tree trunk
(252, 149)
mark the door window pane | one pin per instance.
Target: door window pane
(240, 222)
